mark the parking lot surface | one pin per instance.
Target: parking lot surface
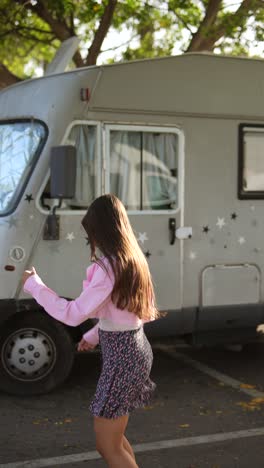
(207, 412)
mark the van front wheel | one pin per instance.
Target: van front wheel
(36, 354)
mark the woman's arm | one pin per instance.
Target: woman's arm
(87, 305)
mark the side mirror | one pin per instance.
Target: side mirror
(62, 185)
(62, 171)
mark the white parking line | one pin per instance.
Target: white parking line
(148, 447)
(212, 372)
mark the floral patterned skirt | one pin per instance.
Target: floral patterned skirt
(124, 383)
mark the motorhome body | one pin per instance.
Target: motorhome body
(181, 141)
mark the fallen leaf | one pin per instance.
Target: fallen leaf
(184, 425)
(248, 406)
(258, 400)
(244, 385)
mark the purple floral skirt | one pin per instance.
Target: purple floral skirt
(124, 383)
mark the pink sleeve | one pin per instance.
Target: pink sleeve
(87, 305)
(92, 335)
(89, 275)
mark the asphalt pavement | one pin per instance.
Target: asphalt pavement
(207, 413)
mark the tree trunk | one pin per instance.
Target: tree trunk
(6, 77)
(101, 32)
(210, 31)
(58, 27)
(205, 28)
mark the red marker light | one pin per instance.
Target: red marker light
(85, 94)
(10, 268)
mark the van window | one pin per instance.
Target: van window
(20, 143)
(144, 169)
(251, 161)
(84, 137)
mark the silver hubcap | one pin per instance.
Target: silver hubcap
(29, 354)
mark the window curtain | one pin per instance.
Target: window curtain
(143, 169)
(83, 137)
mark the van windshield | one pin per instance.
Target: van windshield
(20, 144)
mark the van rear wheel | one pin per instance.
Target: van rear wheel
(36, 354)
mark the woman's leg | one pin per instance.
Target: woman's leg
(110, 442)
(128, 447)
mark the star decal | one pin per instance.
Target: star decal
(12, 222)
(206, 229)
(142, 237)
(70, 236)
(147, 254)
(220, 222)
(233, 216)
(31, 216)
(241, 240)
(29, 198)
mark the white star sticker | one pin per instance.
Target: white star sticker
(70, 236)
(241, 240)
(193, 255)
(142, 237)
(221, 222)
(31, 216)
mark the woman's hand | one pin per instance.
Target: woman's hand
(27, 274)
(85, 346)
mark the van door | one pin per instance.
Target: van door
(144, 168)
(62, 263)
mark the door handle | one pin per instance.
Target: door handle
(172, 229)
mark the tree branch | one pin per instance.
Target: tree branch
(206, 24)
(120, 45)
(40, 9)
(101, 33)
(28, 28)
(59, 28)
(34, 39)
(207, 40)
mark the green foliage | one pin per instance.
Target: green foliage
(154, 28)
(23, 36)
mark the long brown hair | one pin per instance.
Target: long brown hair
(108, 228)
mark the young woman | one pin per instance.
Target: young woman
(118, 291)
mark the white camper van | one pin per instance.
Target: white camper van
(180, 140)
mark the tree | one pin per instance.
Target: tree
(32, 30)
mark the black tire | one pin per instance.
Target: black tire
(36, 354)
